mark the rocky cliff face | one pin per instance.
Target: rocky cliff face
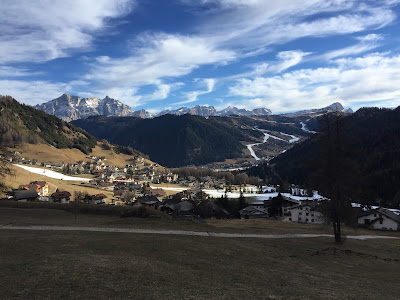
(70, 107)
(204, 111)
(143, 114)
(335, 107)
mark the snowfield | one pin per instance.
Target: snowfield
(52, 174)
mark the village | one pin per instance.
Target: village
(144, 184)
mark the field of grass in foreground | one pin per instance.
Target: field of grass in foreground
(99, 265)
(70, 265)
(14, 213)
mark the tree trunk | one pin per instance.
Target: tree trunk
(337, 230)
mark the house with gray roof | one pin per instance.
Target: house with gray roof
(380, 218)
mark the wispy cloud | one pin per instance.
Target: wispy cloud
(10, 72)
(192, 96)
(367, 43)
(44, 30)
(33, 92)
(158, 56)
(370, 78)
(232, 30)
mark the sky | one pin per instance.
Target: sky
(284, 55)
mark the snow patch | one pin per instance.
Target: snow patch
(52, 174)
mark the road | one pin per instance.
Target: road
(188, 233)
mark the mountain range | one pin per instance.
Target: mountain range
(69, 108)
(210, 111)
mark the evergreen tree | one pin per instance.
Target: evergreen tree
(5, 169)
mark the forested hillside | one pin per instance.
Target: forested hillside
(172, 140)
(21, 123)
(373, 135)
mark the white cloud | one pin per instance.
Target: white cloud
(251, 25)
(47, 29)
(288, 59)
(192, 96)
(9, 72)
(230, 30)
(367, 43)
(127, 96)
(156, 57)
(33, 92)
(352, 81)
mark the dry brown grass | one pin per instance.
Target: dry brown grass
(71, 265)
(42, 152)
(98, 265)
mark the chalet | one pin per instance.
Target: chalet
(62, 196)
(184, 208)
(26, 195)
(209, 209)
(306, 213)
(253, 212)
(380, 218)
(41, 187)
(96, 199)
(260, 204)
(288, 204)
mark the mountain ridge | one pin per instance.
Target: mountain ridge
(70, 108)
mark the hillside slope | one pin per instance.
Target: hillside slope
(171, 140)
(21, 123)
(376, 134)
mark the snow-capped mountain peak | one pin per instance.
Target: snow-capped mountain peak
(71, 108)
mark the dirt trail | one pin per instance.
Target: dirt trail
(188, 233)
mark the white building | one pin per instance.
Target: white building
(380, 218)
(306, 214)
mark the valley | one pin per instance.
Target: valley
(209, 149)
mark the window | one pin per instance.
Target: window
(381, 222)
(312, 220)
(306, 220)
(375, 215)
(312, 215)
(300, 213)
(307, 214)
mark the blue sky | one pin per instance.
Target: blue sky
(284, 55)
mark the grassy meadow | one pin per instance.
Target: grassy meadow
(100, 265)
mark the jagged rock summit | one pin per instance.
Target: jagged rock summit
(210, 111)
(335, 107)
(70, 107)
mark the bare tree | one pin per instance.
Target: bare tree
(335, 173)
